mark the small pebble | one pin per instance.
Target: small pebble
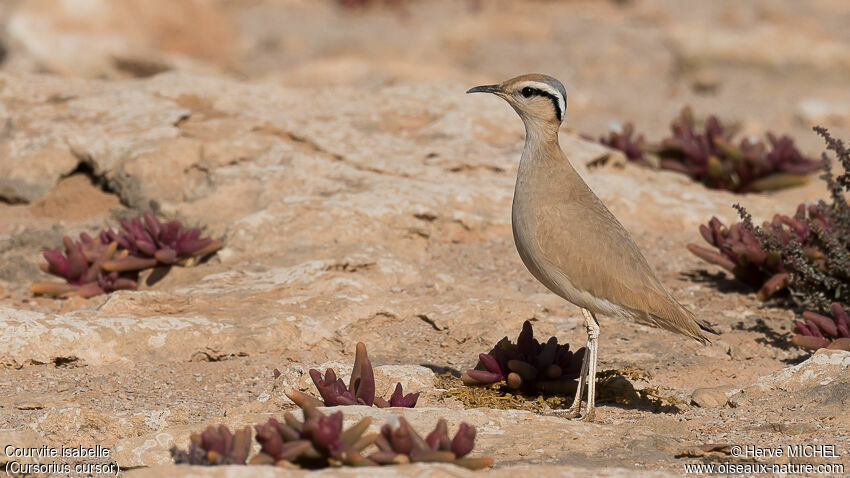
(29, 405)
(709, 398)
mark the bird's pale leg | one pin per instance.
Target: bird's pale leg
(575, 408)
(592, 349)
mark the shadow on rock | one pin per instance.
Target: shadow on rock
(615, 388)
(442, 370)
(720, 281)
(772, 337)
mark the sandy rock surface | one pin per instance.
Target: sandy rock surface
(95, 38)
(343, 223)
(361, 196)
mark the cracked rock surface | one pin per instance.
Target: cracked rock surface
(339, 230)
(375, 207)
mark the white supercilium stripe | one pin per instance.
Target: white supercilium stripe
(562, 103)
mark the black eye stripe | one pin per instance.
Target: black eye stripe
(528, 92)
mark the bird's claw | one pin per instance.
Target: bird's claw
(575, 414)
(589, 416)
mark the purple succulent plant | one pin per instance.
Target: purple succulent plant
(111, 261)
(215, 446)
(528, 365)
(399, 443)
(317, 442)
(807, 254)
(320, 441)
(81, 265)
(399, 399)
(632, 147)
(150, 243)
(740, 252)
(709, 155)
(360, 389)
(820, 331)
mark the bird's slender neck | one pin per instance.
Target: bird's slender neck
(541, 141)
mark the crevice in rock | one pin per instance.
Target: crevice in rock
(430, 322)
(70, 361)
(181, 120)
(140, 67)
(12, 199)
(85, 166)
(350, 267)
(291, 137)
(384, 314)
(442, 369)
(462, 168)
(426, 216)
(210, 355)
(312, 147)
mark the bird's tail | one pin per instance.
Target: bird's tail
(707, 326)
(675, 317)
(704, 326)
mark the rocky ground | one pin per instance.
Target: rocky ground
(362, 197)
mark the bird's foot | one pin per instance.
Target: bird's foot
(570, 413)
(574, 413)
(590, 416)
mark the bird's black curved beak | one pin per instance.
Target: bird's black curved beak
(485, 89)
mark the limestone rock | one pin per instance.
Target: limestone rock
(20, 439)
(818, 385)
(45, 164)
(763, 45)
(823, 112)
(709, 397)
(380, 216)
(132, 37)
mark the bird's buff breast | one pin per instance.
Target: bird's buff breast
(534, 258)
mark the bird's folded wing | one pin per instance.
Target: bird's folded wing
(591, 248)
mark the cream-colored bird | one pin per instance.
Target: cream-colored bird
(570, 241)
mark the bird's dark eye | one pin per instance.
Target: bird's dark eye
(527, 92)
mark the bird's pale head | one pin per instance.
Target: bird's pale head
(540, 100)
